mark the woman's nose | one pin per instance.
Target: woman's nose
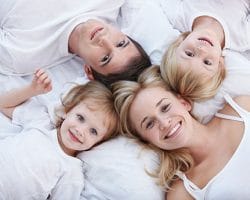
(164, 123)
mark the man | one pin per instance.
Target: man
(43, 34)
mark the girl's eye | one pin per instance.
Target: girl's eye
(189, 53)
(105, 58)
(165, 108)
(150, 124)
(80, 118)
(120, 44)
(93, 131)
(207, 62)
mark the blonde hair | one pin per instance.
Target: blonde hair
(188, 84)
(100, 99)
(125, 93)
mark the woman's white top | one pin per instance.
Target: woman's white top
(33, 165)
(34, 33)
(233, 181)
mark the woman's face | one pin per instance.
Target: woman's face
(200, 52)
(105, 48)
(161, 118)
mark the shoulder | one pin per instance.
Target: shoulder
(178, 191)
(242, 101)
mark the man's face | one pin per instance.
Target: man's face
(104, 48)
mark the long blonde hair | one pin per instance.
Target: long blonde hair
(100, 98)
(188, 84)
(125, 93)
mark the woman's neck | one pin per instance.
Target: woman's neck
(206, 22)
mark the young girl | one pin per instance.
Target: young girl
(219, 150)
(39, 162)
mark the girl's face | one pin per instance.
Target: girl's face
(161, 118)
(200, 52)
(82, 128)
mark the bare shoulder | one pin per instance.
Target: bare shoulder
(242, 101)
(178, 192)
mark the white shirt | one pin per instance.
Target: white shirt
(233, 181)
(35, 33)
(33, 165)
(233, 15)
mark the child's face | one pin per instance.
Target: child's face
(83, 128)
(161, 118)
(200, 52)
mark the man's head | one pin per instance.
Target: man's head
(109, 54)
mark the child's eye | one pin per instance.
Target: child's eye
(189, 53)
(121, 43)
(150, 124)
(165, 108)
(93, 131)
(207, 62)
(80, 118)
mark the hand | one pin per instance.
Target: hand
(41, 82)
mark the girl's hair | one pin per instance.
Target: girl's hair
(99, 98)
(132, 70)
(188, 84)
(125, 92)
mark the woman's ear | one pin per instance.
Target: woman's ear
(185, 103)
(88, 72)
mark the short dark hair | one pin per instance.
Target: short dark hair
(133, 69)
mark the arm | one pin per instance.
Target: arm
(40, 84)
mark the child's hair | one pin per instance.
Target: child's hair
(99, 98)
(125, 92)
(188, 84)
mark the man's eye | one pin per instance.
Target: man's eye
(105, 58)
(207, 62)
(189, 53)
(150, 124)
(120, 44)
(93, 131)
(80, 118)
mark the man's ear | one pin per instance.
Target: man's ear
(88, 71)
(185, 103)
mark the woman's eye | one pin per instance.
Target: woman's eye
(105, 58)
(207, 62)
(120, 44)
(93, 131)
(165, 108)
(80, 118)
(150, 125)
(189, 53)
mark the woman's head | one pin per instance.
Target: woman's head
(158, 117)
(106, 51)
(89, 116)
(193, 67)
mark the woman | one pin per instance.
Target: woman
(218, 168)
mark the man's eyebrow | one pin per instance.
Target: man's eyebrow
(124, 46)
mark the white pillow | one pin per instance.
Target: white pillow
(116, 170)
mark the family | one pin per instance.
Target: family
(127, 94)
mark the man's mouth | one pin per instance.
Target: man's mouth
(94, 32)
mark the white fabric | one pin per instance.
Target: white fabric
(33, 165)
(233, 181)
(35, 33)
(233, 16)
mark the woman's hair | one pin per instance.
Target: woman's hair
(188, 84)
(99, 98)
(132, 70)
(125, 92)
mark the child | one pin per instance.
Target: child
(39, 162)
